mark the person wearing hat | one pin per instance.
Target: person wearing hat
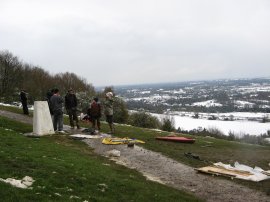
(108, 110)
(71, 107)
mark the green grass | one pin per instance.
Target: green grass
(14, 109)
(64, 169)
(15, 126)
(210, 150)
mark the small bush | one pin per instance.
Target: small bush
(120, 114)
(144, 120)
(216, 132)
(168, 124)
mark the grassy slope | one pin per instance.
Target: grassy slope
(13, 109)
(210, 150)
(61, 166)
(207, 148)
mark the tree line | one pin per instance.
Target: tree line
(16, 75)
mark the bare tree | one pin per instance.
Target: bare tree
(10, 73)
(37, 82)
(16, 75)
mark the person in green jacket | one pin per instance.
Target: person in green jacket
(108, 110)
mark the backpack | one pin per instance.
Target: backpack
(95, 110)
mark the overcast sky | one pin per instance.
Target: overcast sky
(114, 42)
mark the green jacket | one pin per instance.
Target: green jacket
(108, 107)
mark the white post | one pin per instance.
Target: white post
(42, 120)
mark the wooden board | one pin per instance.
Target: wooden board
(223, 171)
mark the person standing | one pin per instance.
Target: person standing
(71, 107)
(108, 110)
(48, 99)
(23, 97)
(95, 113)
(57, 110)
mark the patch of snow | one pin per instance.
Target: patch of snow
(267, 140)
(208, 103)
(243, 103)
(237, 127)
(6, 105)
(264, 106)
(154, 98)
(145, 92)
(180, 91)
(25, 183)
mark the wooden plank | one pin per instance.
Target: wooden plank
(223, 171)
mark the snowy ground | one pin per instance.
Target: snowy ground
(238, 127)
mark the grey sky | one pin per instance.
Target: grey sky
(112, 42)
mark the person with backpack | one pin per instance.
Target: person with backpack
(95, 113)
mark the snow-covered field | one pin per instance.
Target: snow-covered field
(237, 127)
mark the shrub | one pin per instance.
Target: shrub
(231, 136)
(144, 120)
(168, 124)
(216, 132)
(120, 114)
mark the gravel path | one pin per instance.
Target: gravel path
(157, 167)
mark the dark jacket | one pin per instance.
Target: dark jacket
(48, 99)
(70, 101)
(95, 110)
(23, 97)
(57, 103)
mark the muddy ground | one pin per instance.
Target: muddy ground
(154, 166)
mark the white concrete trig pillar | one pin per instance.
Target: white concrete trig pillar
(42, 120)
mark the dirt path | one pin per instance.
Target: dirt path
(159, 168)
(18, 117)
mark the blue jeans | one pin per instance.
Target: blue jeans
(58, 120)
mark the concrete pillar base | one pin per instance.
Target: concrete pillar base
(42, 120)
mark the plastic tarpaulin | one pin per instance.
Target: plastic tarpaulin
(125, 140)
(239, 171)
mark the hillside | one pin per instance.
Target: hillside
(68, 170)
(208, 149)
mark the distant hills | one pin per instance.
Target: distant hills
(248, 95)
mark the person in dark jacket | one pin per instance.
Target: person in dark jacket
(48, 99)
(23, 97)
(95, 113)
(57, 109)
(71, 107)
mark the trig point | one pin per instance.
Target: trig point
(42, 120)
